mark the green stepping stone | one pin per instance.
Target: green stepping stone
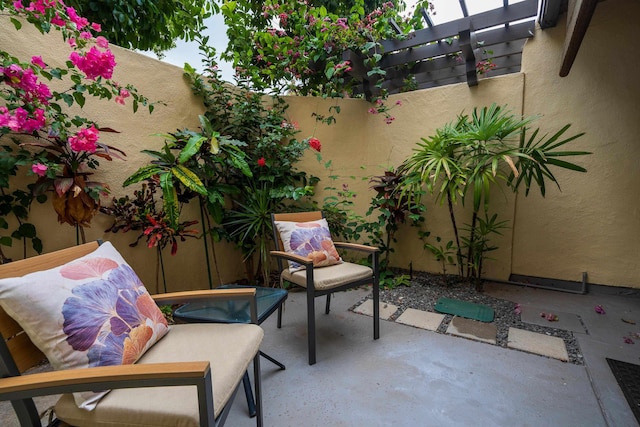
(465, 309)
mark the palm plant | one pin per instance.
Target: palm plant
(470, 156)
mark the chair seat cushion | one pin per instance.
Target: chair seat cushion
(330, 277)
(228, 347)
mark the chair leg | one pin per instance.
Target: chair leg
(311, 326)
(376, 310)
(326, 310)
(246, 382)
(280, 316)
(257, 383)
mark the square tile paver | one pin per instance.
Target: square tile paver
(421, 319)
(386, 310)
(473, 329)
(534, 342)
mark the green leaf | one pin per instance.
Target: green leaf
(329, 71)
(37, 245)
(27, 230)
(143, 173)
(68, 99)
(79, 98)
(191, 148)
(6, 241)
(18, 25)
(170, 199)
(190, 180)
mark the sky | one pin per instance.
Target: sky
(445, 11)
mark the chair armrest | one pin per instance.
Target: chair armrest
(356, 247)
(104, 378)
(209, 294)
(293, 257)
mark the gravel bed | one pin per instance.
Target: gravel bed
(426, 289)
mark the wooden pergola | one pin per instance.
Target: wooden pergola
(451, 52)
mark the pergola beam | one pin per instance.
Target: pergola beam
(580, 14)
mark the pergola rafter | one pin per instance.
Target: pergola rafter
(450, 52)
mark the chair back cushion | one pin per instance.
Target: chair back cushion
(92, 311)
(310, 239)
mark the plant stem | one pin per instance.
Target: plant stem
(471, 252)
(455, 232)
(164, 279)
(204, 240)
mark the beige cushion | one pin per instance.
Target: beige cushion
(330, 277)
(310, 239)
(229, 348)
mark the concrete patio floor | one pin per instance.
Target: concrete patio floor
(416, 377)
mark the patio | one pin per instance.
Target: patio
(416, 377)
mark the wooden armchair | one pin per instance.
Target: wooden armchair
(326, 280)
(187, 378)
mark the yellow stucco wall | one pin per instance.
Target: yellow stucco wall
(592, 225)
(160, 82)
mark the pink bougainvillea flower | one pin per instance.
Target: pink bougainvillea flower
(398, 102)
(102, 42)
(262, 162)
(628, 340)
(56, 20)
(96, 27)
(85, 140)
(39, 169)
(552, 317)
(72, 42)
(80, 21)
(37, 61)
(372, 111)
(124, 93)
(389, 120)
(18, 4)
(315, 144)
(517, 309)
(94, 63)
(598, 308)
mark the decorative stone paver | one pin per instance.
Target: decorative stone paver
(472, 329)
(518, 339)
(566, 321)
(536, 343)
(421, 319)
(386, 310)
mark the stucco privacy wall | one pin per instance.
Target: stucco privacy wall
(358, 152)
(157, 81)
(593, 224)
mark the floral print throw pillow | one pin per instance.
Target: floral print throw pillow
(308, 239)
(93, 311)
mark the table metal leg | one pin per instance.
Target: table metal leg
(272, 360)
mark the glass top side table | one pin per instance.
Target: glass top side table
(268, 300)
